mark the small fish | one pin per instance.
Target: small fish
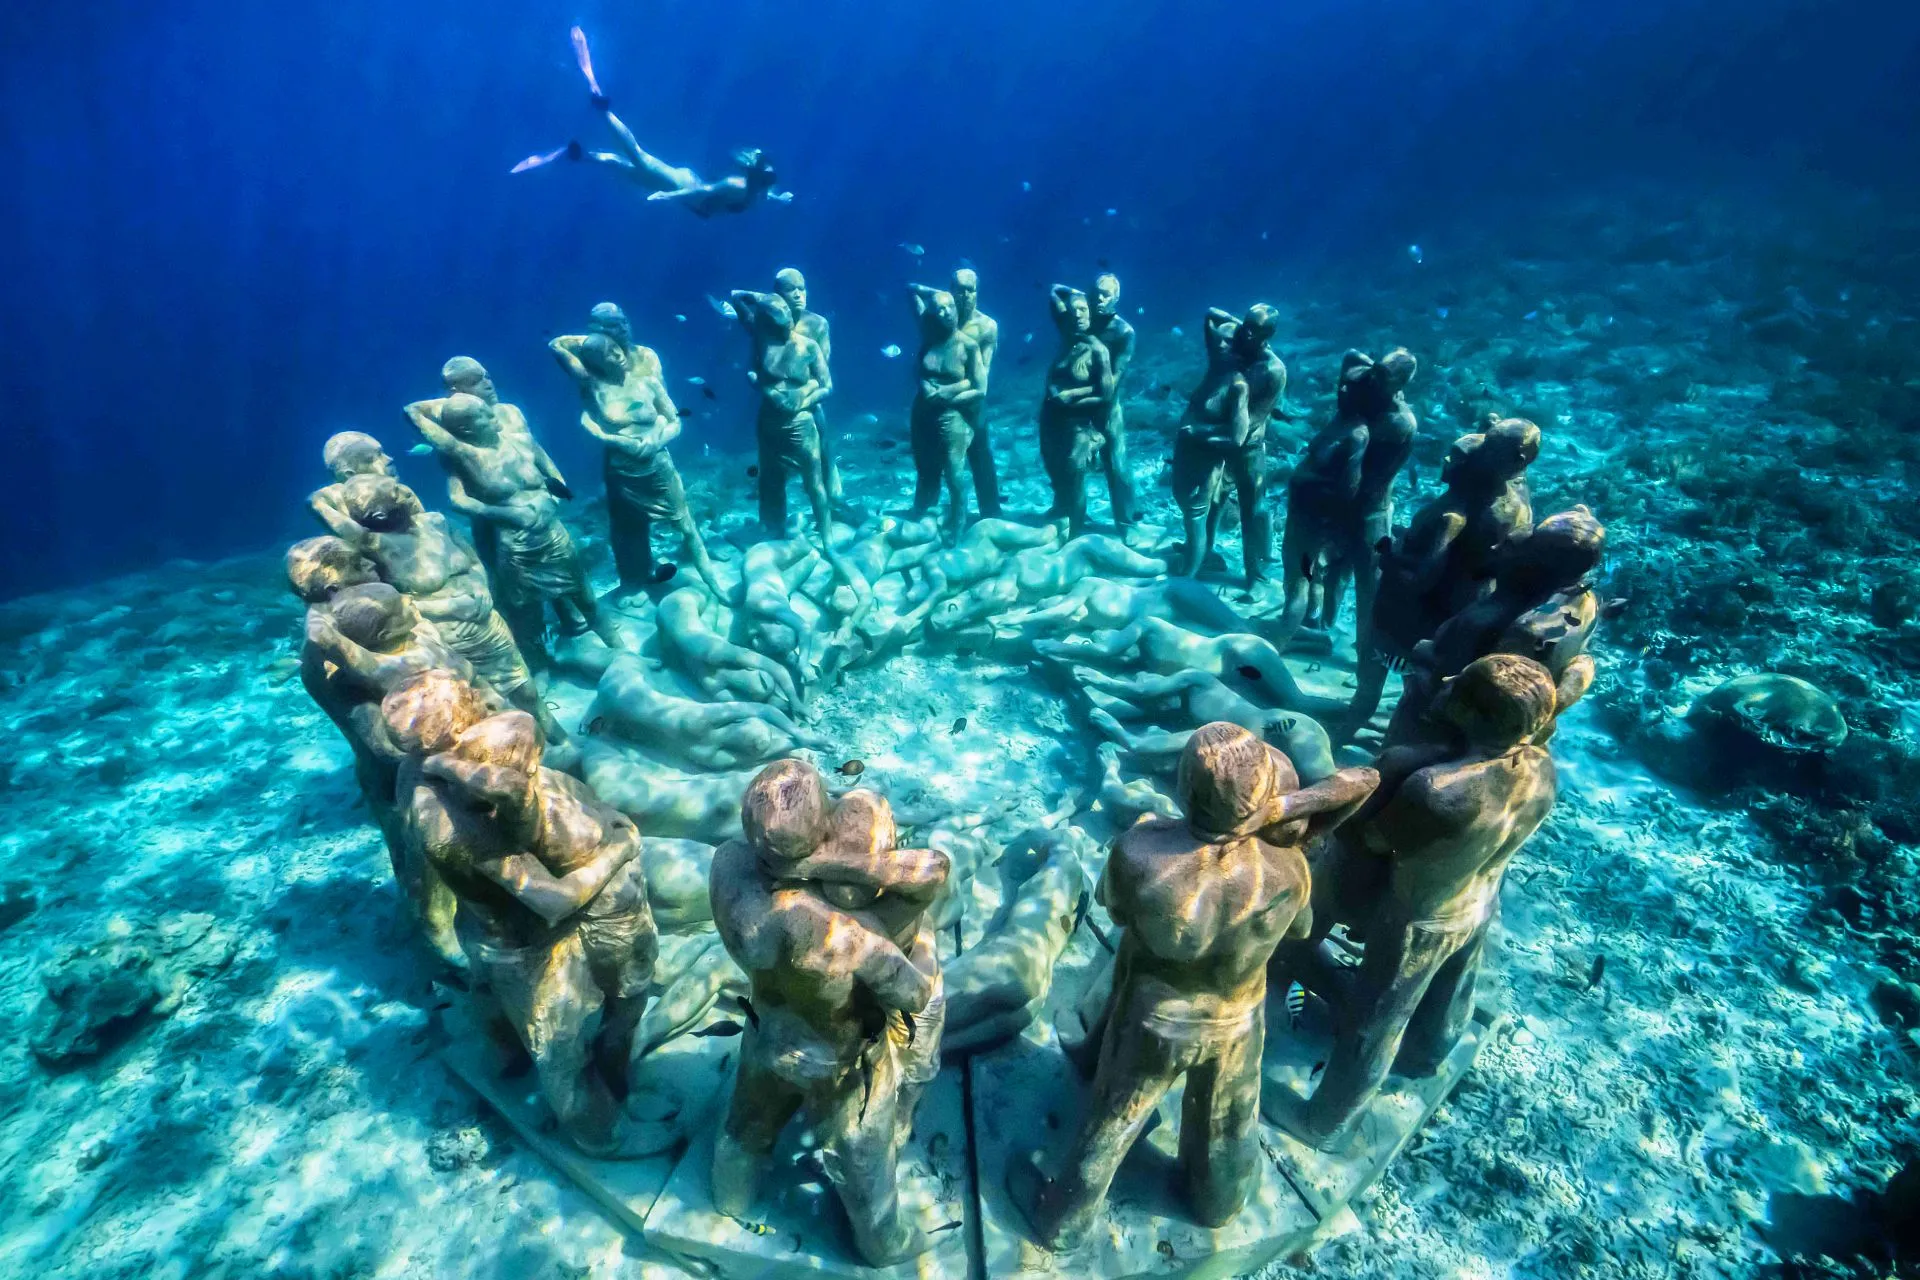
(1113, 213)
(422, 448)
(1028, 338)
(724, 308)
(1531, 315)
(1599, 971)
(1296, 1003)
(677, 316)
(1413, 251)
(1026, 186)
(1263, 235)
(722, 1029)
(852, 768)
(597, 725)
(959, 726)
(1251, 673)
(696, 381)
(1139, 311)
(758, 1228)
(1441, 312)
(1178, 332)
(665, 571)
(709, 393)
(752, 472)
(891, 350)
(870, 418)
(746, 1007)
(917, 250)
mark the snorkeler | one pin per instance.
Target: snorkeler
(732, 194)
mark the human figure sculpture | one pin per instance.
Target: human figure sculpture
(553, 912)
(1185, 700)
(494, 477)
(1116, 335)
(692, 644)
(828, 920)
(418, 552)
(635, 419)
(717, 736)
(789, 371)
(1202, 903)
(1340, 497)
(610, 319)
(1105, 604)
(984, 331)
(1157, 645)
(1541, 607)
(950, 376)
(792, 288)
(1045, 573)
(362, 644)
(347, 454)
(1437, 841)
(1223, 443)
(1446, 559)
(664, 182)
(1075, 408)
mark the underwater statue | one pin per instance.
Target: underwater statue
(692, 637)
(634, 418)
(609, 319)
(347, 454)
(1420, 873)
(1223, 442)
(828, 919)
(1202, 902)
(1075, 406)
(494, 476)
(790, 373)
(419, 553)
(553, 912)
(792, 288)
(1042, 573)
(1154, 644)
(1116, 335)
(1096, 603)
(1340, 496)
(950, 376)
(984, 331)
(1541, 607)
(1446, 559)
(1183, 701)
(717, 736)
(664, 182)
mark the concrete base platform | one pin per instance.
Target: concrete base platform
(799, 1231)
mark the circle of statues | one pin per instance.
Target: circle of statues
(548, 866)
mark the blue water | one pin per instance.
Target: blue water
(229, 230)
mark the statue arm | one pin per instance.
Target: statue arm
(923, 296)
(467, 505)
(554, 898)
(338, 522)
(381, 670)
(1238, 417)
(974, 386)
(566, 349)
(425, 417)
(556, 482)
(1328, 803)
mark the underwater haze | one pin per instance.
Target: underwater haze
(234, 229)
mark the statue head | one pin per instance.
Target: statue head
(942, 315)
(1106, 295)
(1256, 329)
(966, 293)
(771, 315)
(468, 417)
(375, 616)
(355, 453)
(1498, 702)
(770, 635)
(319, 568)
(464, 373)
(1079, 312)
(607, 318)
(1229, 780)
(427, 713)
(1507, 448)
(509, 739)
(1396, 370)
(380, 503)
(1560, 551)
(784, 813)
(792, 288)
(604, 357)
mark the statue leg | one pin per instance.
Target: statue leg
(621, 948)
(630, 534)
(986, 481)
(758, 1110)
(1249, 472)
(860, 1133)
(809, 464)
(772, 486)
(1401, 961)
(1442, 1018)
(1370, 685)
(953, 469)
(550, 998)
(1219, 1145)
(1119, 470)
(929, 453)
(829, 469)
(1136, 1070)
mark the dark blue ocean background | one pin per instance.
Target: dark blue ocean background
(228, 230)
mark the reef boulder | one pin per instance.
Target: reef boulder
(97, 996)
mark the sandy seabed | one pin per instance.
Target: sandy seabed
(283, 1115)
